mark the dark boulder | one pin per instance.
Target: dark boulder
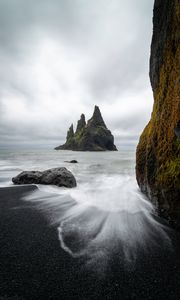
(73, 161)
(55, 176)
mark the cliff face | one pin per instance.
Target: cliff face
(93, 136)
(158, 151)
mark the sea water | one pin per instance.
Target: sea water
(105, 214)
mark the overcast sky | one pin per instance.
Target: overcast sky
(59, 58)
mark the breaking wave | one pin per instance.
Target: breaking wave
(101, 218)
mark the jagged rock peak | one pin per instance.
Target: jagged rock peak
(70, 133)
(93, 136)
(81, 123)
(97, 119)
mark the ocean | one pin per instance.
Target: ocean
(106, 202)
(91, 165)
(105, 224)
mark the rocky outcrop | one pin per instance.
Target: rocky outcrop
(81, 124)
(93, 136)
(158, 151)
(96, 119)
(55, 176)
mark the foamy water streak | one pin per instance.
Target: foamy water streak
(99, 219)
(105, 216)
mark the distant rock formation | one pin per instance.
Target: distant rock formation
(55, 176)
(158, 151)
(93, 136)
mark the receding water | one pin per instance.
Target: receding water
(104, 215)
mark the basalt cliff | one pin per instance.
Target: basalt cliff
(90, 136)
(158, 151)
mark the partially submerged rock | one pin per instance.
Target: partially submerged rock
(90, 136)
(55, 176)
(73, 161)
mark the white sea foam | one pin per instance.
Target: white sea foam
(105, 215)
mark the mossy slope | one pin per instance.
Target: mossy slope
(158, 151)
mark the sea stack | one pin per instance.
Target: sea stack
(90, 136)
(158, 151)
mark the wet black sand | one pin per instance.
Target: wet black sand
(33, 266)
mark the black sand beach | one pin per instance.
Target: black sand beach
(33, 265)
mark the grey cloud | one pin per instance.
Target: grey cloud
(109, 41)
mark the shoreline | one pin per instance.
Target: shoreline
(30, 253)
(34, 266)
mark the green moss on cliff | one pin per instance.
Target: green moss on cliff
(158, 138)
(78, 137)
(169, 173)
(101, 131)
(158, 151)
